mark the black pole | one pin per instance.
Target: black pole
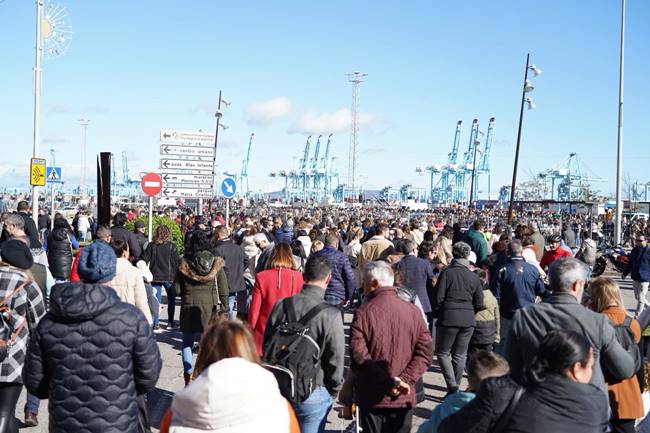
(216, 140)
(471, 188)
(516, 165)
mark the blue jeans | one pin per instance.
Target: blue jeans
(312, 413)
(32, 404)
(186, 353)
(171, 301)
(242, 300)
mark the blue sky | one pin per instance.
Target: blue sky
(135, 67)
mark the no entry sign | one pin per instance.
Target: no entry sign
(151, 184)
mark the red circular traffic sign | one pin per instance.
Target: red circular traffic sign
(151, 184)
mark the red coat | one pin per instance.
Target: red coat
(553, 255)
(270, 286)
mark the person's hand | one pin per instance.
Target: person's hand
(399, 388)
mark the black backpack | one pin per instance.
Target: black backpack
(292, 355)
(625, 337)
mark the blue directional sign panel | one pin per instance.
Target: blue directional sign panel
(228, 187)
(53, 175)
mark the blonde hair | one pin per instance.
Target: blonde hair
(604, 293)
(317, 246)
(225, 339)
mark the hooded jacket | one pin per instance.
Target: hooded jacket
(59, 253)
(91, 357)
(202, 284)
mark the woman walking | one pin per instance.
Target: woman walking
(279, 281)
(59, 246)
(163, 260)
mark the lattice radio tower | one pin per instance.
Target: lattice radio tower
(355, 78)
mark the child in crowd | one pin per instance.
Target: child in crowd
(482, 365)
(486, 333)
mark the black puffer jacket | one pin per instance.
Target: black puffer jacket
(458, 295)
(92, 356)
(163, 261)
(59, 253)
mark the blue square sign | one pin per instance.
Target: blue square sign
(53, 175)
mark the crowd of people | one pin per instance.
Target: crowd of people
(263, 298)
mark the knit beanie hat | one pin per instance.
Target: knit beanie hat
(97, 263)
(16, 253)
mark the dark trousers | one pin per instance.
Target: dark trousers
(386, 420)
(9, 393)
(622, 426)
(451, 350)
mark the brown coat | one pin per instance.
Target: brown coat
(625, 397)
(372, 249)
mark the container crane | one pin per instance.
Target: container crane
(314, 164)
(443, 192)
(244, 166)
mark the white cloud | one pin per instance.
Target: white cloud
(265, 112)
(338, 121)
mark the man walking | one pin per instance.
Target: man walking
(326, 329)
(373, 247)
(517, 284)
(29, 226)
(342, 284)
(236, 264)
(390, 349)
(416, 274)
(562, 310)
(639, 267)
(476, 240)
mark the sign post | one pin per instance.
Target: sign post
(52, 176)
(151, 185)
(228, 189)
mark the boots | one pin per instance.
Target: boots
(188, 378)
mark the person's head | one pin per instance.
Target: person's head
(377, 274)
(97, 263)
(534, 227)
(484, 364)
(121, 248)
(138, 226)
(318, 271)
(61, 223)
(317, 246)
(428, 236)
(515, 248)
(527, 241)
(563, 352)
(382, 230)
(478, 225)
(461, 250)
(483, 276)
(553, 242)
(427, 250)
(225, 339)
(221, 232)
(261, 241)
(16, 253)
(605, 293)
(200, 241)
(332, 240)
(120, 219)
(104, 234)
(281, 257)
(14, 225)
(22, 206)
(641, 240)
(567, 275)
(407, 247)
(355, 233)
(161, 235)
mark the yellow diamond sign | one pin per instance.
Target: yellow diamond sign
(37, 172)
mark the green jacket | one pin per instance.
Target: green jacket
(202, 285)
(476, 240)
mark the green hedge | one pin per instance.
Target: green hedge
(177, 235)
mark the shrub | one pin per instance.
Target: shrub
(177, 235)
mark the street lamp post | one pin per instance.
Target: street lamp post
(218, 115)
(619, 147)
(527, 87)
(37, 98)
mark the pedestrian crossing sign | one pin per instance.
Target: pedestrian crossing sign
(53, 175)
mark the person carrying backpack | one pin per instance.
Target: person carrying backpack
(21, 308)
(624, 396)
(304, 345)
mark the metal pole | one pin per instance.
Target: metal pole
(516, 165)
(52, 208)
(619, 148)
(471, 188)
(227, 212)
(84, 128)
(216, 140)
(150, 222)
(37, 99)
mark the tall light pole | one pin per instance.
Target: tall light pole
(218, 115)
(84, 127)
(619, 147)
(37, 98)
(526, 88)
(355, 78)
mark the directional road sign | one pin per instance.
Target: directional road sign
(151, 184)
(195, 180)
(171, 136)
(37, 172)
(53, 175)
(170, 149)
(228, 187)
(179, 192)
(199, 167)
